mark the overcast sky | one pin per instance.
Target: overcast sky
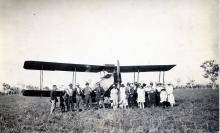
(181, 32)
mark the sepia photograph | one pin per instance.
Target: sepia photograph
(109, 66)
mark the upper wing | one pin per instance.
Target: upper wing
(146, 68)
(53, 66)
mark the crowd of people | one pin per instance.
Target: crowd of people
(130, 96)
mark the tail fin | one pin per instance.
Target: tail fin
(106, 82)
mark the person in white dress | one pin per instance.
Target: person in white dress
(141, 96)
(170, 96)
(123, 97)
(114, 97)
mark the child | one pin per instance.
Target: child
(62, 105)
(163, 98)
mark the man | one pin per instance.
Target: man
(152, 94)
(87, 92)
(78, 97)
(135, 95)
(99, 92)
(53, 99)
(157, 94)
(62, 105)
(131, 96)
(69, 98)
(145, 87)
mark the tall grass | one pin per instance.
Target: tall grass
(197, 111)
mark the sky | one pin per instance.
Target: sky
(100, 32)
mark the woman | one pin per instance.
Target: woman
(170, 96)
(123, 97)
(141, 96)
(114, 97)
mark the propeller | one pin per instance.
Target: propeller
(118, 74)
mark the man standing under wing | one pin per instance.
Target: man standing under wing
(69, 98)
(87, 93)
(99, 91)
(53, 99)
(79, 94)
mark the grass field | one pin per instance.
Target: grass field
(197, 111)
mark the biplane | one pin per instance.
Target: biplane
(112, 73)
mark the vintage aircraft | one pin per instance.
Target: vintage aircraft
(112, 76)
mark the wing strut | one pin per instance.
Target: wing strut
(163, 76)
(159, 75)
(134, 77)
(73, 78)
(41, 79)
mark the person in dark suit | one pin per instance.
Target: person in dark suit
(132, 98)
(79, 99)
(99, 93)
(87, 92)
(62, 105)
(152, 95)
(53, 99)
(159, 87)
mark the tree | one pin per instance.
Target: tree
(192, 83)
(210, 71)
(6, 87)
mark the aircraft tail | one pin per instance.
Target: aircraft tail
(106, 82)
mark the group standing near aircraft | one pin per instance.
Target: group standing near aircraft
(109, 91)
(130, 96)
